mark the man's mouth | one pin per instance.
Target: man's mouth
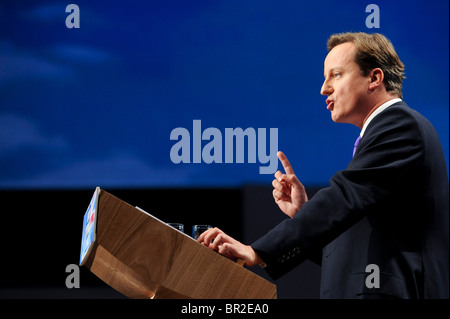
(330, 104)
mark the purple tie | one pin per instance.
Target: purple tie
(356, 145)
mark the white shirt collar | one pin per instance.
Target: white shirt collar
(378, 111)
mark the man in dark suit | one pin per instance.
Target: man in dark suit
(380, 230)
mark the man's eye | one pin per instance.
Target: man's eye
(336, 75)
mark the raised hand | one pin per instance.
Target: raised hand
(289, 193)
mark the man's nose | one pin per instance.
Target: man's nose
(326, 88)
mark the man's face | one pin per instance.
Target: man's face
(346, 88)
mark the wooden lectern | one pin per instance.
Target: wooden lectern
(142, 257)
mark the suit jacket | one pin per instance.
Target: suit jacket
(389, 208)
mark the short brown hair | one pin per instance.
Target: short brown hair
(374, 51)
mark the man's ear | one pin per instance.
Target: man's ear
(376, 78)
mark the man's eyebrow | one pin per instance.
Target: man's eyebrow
(331, 70)
(337, 68)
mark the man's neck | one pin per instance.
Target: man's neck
(377, 110)
(379, 103)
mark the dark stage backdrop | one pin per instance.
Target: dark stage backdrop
(43, 235)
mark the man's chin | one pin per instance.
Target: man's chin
(334, 117)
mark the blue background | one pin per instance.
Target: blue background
(95, 106)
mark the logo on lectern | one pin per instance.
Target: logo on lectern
(89, 223)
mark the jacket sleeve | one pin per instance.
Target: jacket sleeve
(390, 150)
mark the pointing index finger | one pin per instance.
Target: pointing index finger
(284, 161)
